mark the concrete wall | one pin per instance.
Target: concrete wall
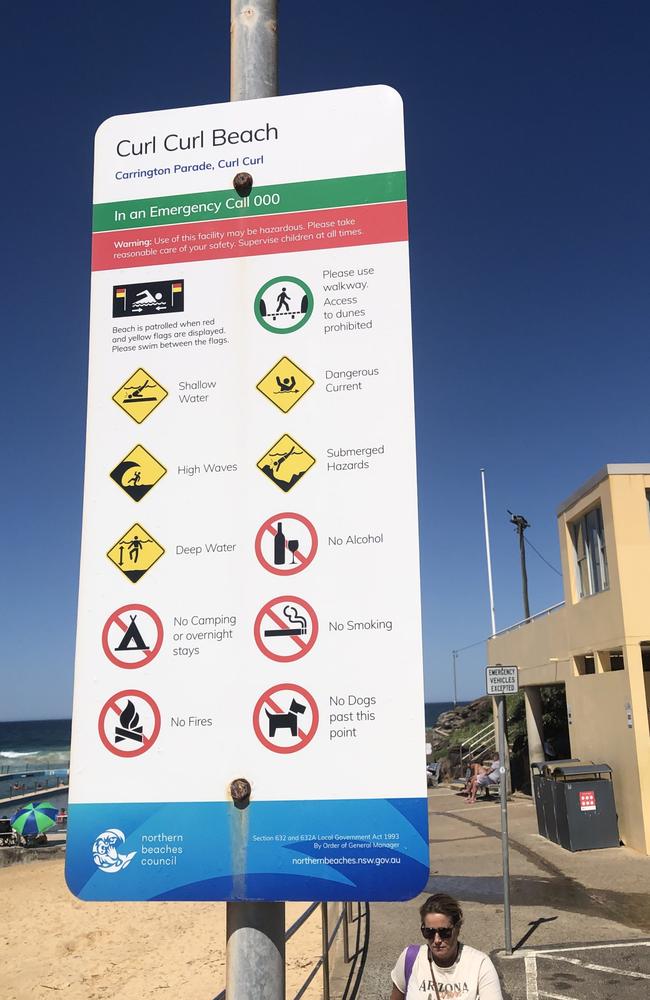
(619, 618)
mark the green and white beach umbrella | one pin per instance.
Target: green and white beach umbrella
(33, 819)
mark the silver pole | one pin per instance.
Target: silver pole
(253, 49)
(454, 656)
(325, 935)
(503, 796)
(487, 553)
(255, 949)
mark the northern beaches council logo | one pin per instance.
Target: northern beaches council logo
(106, 854)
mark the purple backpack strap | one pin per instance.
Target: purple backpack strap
(409, 962)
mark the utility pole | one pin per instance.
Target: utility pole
(454, 657)
(255, 950)
(521, 524)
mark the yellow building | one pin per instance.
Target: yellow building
(597, 643)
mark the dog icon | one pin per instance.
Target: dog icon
(286, 720)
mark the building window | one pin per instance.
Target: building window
(590, 552)
(586, 664)
(612, 659)
(645, 656)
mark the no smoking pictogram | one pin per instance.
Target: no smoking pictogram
(286, 629)
(285, 718)
(132, 636)
(286, 544)
(129, 723)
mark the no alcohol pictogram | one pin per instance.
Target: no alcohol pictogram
(129, 723)
(132, 636)
(286, 544)
(285, 718)
(285, 629)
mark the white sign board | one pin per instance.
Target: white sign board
(249, 598)
(502, 680)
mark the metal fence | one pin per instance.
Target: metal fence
(354, 923)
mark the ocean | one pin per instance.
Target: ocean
(46, 742)
(36, 744)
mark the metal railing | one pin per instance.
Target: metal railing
(43, 767)
(484, 736)
(355, 925)
(527, 621)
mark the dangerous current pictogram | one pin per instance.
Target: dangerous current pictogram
(285, 384)
(285, 718)
(129, 723)
(286, 544)
(285, 629)
(132, 636)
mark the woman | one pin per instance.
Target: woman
(443, 968)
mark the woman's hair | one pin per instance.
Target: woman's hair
(444, 904)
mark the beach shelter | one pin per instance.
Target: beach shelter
(34, 818)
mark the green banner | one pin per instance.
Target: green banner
(272, 199)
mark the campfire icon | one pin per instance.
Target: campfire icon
(129, 728)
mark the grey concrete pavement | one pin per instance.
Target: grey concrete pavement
(589, 900)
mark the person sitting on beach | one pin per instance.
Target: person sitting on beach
(483, 778)
(435, 969)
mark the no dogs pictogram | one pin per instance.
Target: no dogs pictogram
(285, 718)
(129, 723)
(286, 544)
(132, 636)
(286, 629)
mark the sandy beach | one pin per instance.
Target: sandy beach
(52, 943)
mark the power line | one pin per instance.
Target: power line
(550, 566)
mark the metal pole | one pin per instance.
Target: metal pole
(325, 933)
(255, 946)
(253, 49)
(487, 553)
(503, 796)
(524, 574)
(454, 656)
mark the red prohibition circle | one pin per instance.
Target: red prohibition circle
(303, 562)
(113, 619)
(263, 699)
(112, 704)
(303, 647)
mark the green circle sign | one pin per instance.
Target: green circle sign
(284, 304)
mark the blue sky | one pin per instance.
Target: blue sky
(528, 153)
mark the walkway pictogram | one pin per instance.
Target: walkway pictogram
(129, 723)
(138, 472)
(286, 544)
(285, 384)
(285, 718)
(135, 552)
(132, 636)
(285, 463)
(285, 629)
(140, 395)
(284, 304)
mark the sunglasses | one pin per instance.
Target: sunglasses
(444, 933)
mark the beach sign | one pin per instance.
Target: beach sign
(250, 417)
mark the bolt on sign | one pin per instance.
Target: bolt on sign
(262, 346)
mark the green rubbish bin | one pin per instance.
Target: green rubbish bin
(584, 807)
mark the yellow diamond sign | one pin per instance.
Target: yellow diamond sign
(139, 395)
(135, 553)
(286, 463)
(285, 384)
(138, 472)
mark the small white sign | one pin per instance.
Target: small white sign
(501, 680)
(427, 748)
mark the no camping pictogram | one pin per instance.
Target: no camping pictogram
(285, 718)
(129, 723)
(285, 629)
(286, 544)
(132, 636)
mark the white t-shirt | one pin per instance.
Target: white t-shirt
(471, 976)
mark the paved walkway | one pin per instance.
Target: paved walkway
(580, 922)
